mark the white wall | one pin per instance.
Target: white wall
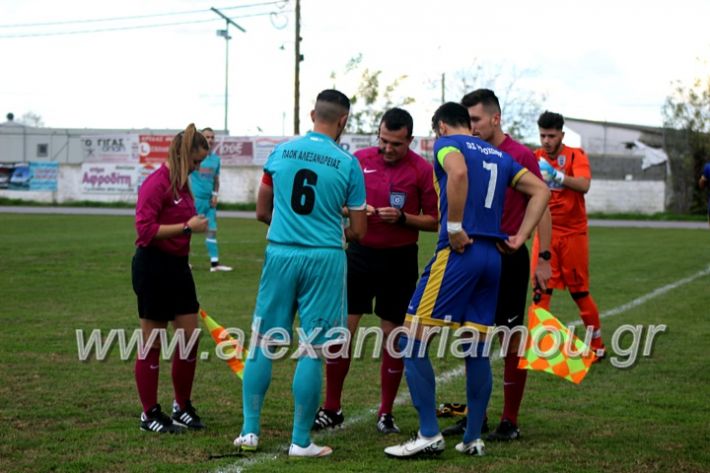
(626, 196)
(240, 184)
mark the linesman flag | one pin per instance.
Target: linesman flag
(234, 352)
(551, 347)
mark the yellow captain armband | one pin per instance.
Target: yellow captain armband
(443, 152)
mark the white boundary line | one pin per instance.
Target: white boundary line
(448, 376)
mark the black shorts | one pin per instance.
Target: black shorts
(163, 284)
(388, 275)
(513, 289)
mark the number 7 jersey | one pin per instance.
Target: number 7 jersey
(490, 172)
(313, 179)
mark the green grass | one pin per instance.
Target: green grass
(63, 273)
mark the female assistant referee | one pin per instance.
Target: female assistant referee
(162, 280)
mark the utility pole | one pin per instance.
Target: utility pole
(225, 34)
(443, 87)
(298, 57)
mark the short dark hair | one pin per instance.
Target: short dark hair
(207, 129)
(451, 113)
(483, 96)
(331, 104)
(396, 119)
(549, 120)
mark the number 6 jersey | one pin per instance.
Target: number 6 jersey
(313, 179)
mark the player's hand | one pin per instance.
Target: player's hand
(459, 241)
(515, 241)
(370, 210)
(213, 202)
(198, 223)
(504, 248)
(388, 214)
(549, 173)
(543, 272)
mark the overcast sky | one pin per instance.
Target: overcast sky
(600, 60)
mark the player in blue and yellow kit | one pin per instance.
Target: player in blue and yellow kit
(459, 286)
(310, 180)
(204, 183)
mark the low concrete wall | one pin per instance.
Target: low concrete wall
(240, 185)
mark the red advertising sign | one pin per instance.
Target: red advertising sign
(154, 148)
(235, 151)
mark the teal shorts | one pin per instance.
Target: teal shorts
(310, 281)
(204, 208)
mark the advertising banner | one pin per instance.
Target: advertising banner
(33, 176)
(110, 148)
(235, 151)
(113, 178)
(264, 145)
(154, 148)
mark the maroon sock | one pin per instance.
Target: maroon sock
(183, 376)
(336, 369)
(513, 387)
(391, 370)
(147, 371)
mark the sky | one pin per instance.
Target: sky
(600, 60)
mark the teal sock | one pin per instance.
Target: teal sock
(211, 244)
(257, 376)
(307, 381)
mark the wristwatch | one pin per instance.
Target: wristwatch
(546, 255)
(186, 230)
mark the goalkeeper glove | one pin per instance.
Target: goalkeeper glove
(549, 173)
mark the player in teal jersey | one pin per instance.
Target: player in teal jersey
(459, 287)
(204, 183)
(307, 183)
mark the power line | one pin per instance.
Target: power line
(126, 28)
(137, 17)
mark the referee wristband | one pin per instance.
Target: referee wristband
(453, 227)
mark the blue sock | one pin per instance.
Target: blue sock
(211, 244)
(479, 383)
(422, 386)
(307, 382)
(257, 377)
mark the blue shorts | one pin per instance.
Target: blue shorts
(204, 208)
(308, 280)
(462, 288)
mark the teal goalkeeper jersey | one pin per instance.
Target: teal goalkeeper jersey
(313, 179)
(202, 179)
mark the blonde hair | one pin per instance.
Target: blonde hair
(183, 144)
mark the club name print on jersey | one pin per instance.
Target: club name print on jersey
(310, 157)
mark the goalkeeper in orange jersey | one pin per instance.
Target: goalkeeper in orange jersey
(568, 175)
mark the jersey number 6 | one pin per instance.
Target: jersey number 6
(303, 195)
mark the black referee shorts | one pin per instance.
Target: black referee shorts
(513, 289)
(163, 284)
(387, 275)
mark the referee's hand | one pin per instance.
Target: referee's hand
(198, 224)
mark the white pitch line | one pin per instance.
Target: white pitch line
(450, 375)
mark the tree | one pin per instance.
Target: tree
(371, 100)
(686, 116)
(520, 107)
(31, 119)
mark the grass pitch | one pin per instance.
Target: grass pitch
(63, 273)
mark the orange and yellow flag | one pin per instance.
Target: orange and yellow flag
(551, 347)
(234, 351)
